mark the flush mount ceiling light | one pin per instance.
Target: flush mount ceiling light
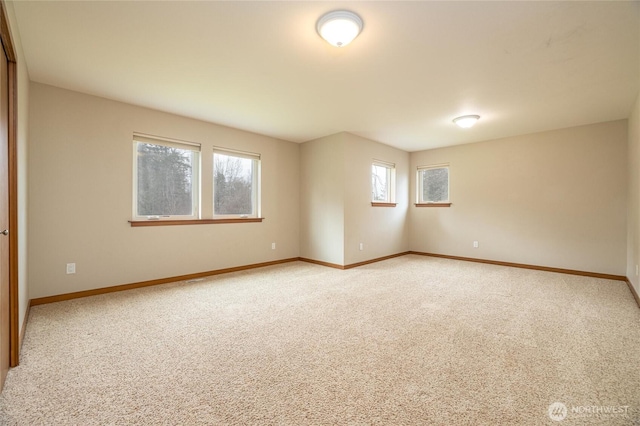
(466, 121)
(339, 27)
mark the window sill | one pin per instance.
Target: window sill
(373, 204)
(193, 221)
(433, 204)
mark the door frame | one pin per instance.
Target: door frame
(14, 309)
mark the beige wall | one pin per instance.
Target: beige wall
(382, 230)
(336, 211)
(633, 191)
(322, 199)
(22, 139)
(80, 197)
(633, 196)
(555, 199)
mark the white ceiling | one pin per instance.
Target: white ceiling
(260, 66)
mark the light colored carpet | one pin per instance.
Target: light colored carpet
(411, 340)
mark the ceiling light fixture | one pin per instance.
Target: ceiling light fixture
(339, 27)
(466, 121)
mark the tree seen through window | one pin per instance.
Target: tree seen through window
(165, 180)
(435, 185)
(233, 192)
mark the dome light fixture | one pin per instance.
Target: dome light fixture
(339, 27)
(466, 121)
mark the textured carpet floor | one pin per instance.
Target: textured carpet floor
(411, 340)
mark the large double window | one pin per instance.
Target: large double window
(167, 181)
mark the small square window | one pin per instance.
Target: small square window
(433, 184)
(382, 182)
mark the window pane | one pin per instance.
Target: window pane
(435, 185)
(165, 180)
(233, 191)
(380, 183)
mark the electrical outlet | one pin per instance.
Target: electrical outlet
(71, 268)
(637, 270)
(361, 246)
(273, 246)
(475, 244)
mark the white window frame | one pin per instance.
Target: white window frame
(196, 167)
(391, 181)
(255, 183)
(419, 183)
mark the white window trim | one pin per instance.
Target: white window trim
(174, 143)
(419, 189)
(391, 174)
(256, 173)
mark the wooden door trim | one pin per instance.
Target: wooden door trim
(5, 34)
(14, 309)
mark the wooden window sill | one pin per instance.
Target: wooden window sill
(373, 204)
(433, 204)
(193, 221)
